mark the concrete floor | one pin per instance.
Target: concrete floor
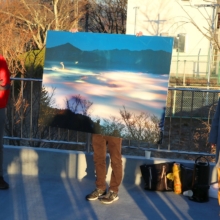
(54, 198)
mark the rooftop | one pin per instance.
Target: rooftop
(42, 189)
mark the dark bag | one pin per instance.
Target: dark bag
(200, 193)
(200, 185)
(155, 176)
(186, 177)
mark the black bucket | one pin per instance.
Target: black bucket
(201, 172)
(200, 184)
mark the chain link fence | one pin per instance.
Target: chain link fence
(189, 112)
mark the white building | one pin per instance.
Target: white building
(189, 22)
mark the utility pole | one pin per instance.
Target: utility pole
(135, 18)
(158, 21)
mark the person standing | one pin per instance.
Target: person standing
(214, 135)
(161, 126)
(4, 96)
(99, 143)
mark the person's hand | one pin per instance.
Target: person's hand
(138, 34)
(74, 30)
(8, 86)
(213, 145)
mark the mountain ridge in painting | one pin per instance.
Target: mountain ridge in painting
(156, 62)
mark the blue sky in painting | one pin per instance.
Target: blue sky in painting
(91, 41)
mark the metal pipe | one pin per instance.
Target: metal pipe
(31, 113)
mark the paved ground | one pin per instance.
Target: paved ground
(53, 198)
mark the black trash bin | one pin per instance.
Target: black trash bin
(200, 184)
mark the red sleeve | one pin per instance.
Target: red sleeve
(4, 72)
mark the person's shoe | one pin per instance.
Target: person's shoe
(109, 198)
(3, 184)
(97, 193)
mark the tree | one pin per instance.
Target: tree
(24, 24)
(107, 16)
(207, 29)
(36, 17)
(78, 104)
(209, 32)
(113, 127)
(12, 44)
(142, 127)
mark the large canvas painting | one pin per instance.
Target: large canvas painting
(107, 83)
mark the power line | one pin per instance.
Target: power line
(158, 21)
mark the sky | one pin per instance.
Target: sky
(90, 41)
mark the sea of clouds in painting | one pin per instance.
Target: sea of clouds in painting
(109, 70)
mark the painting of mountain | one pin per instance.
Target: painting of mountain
(145, 60)
(97, 80)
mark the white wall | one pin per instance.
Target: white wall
(20, 160)
(177, 16)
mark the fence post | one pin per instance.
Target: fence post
(88, 142)
(184, 74)
(174, 102)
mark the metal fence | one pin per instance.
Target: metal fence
(193, 70)
(188, 119)
(187, 123)
(189, 68)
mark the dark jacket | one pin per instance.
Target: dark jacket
(214, 135)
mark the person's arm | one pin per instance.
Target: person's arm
(213, 135)
(4, 74)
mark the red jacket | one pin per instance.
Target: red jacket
(4, 80)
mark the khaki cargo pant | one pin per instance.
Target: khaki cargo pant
(99, 143)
